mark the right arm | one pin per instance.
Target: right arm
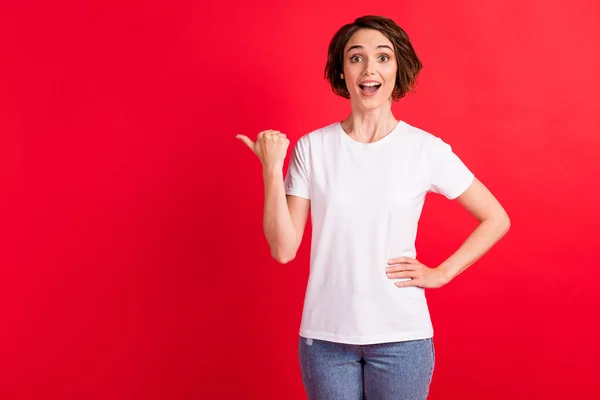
(284, 216)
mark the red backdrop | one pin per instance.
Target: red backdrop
(132, 259)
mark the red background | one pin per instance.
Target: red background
(133, 263)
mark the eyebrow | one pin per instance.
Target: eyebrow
(357, 46)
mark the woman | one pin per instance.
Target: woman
(366, 329)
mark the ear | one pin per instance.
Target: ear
(342, 76)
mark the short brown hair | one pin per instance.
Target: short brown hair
(408, 63)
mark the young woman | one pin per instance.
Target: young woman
(366, 329)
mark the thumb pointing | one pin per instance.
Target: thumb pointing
(246, 140)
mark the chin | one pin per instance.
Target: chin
(372, 104)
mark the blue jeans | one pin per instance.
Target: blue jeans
(337, 371)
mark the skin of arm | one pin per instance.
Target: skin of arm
(284, 217)
(494, 223)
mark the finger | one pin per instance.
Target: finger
(411, 283)
(401, 267)
(403, 259)
(403, 274)
(262, 135)
(246, 140)
(275, 136)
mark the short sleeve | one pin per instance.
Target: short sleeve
(297, 181)
(448, 174)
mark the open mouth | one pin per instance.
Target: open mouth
(370, 87)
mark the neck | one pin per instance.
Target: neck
(369, 125)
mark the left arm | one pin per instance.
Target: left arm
(494, 223)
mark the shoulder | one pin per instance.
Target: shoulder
(317, 138)
(430, 145)
(419, 135)
(320, 133)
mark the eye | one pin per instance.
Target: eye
(355, 58)
(384, 57)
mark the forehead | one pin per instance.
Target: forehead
(368, 39)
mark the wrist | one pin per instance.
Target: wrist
(272, 171)
(446, 273)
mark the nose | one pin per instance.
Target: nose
(369, 67)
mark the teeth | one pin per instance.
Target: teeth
(371, 84)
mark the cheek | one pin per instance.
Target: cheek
(390, 74)
(351, 74)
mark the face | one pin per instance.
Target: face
(370, 69)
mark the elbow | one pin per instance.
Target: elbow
(283, 257)
(507, 226)
(500, 224)
(506, 221)
(504, 224)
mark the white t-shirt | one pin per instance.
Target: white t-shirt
(366, 200)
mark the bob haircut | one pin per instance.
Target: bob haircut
(408, 63)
